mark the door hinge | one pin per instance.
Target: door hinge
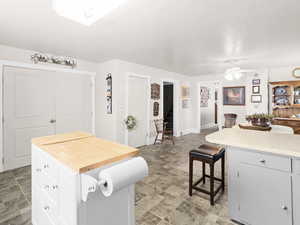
(238, 174)
(2, 119)
(3, 161)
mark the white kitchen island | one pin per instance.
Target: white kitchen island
(78, 179)
(263, 176)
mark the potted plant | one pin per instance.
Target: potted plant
(260, 119)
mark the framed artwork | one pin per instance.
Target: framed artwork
(204, 96)
(234, 95)
(109, 93)
(185, 92)
(256, 82)
(256, 98)
(155, 109)
(155, 91)
(255, 89)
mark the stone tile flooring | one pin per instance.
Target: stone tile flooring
(161, 199)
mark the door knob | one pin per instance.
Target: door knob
(284, 207)
(52, 121)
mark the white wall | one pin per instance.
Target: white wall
(112, 126)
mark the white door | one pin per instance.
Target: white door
(39, 103)
(29, 108)
(138, 97)
(73, 103)
(265, 196)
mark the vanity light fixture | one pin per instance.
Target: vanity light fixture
(85, 12)
(234, 73)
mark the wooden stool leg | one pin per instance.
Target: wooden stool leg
(191, 177)
(156, 138)
(223, 172)
(203, 172)
(212, 183)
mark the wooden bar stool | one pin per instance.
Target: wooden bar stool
(207, 154)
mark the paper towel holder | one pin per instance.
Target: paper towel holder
(89, 184)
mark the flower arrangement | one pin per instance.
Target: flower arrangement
(260, 119)
(130, 122)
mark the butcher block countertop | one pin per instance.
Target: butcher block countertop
(276, 143)
(82, 151)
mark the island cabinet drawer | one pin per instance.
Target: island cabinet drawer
(296, 166)
(266, 160)
(49, 166)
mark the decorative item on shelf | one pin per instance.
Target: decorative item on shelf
(281, 95)
(256, 82)
(155, 91)
(255, 89)
(155, 109)
(260, 119)
(296, 72)
(234, 95)
(109, 94)
(297, 95)
(61, 60)
(130, 122)
(185, 92)
(204, 96)
(256, 98)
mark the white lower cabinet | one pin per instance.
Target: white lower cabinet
(264, 189)
(265, 196)
(296, 191)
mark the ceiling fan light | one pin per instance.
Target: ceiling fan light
(85, 12)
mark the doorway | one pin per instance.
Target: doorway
(138, 106)
(168, 104)
(209, 110)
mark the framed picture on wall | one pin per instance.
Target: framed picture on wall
(256, 98)
(255, 89)
(234, 95)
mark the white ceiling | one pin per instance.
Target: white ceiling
(192, 37)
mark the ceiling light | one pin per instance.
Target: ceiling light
(85, 12)
(233, 74)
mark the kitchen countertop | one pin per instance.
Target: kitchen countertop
(82, 151)
(276, 143)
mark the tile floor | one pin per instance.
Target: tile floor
(161, 199)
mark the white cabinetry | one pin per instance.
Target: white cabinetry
(296, 190)
(57, 200)
(264, 192)
(260, 188)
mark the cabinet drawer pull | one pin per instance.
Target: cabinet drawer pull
(262, 161)
(54, 187)
(284, 207)
(47, 187)
(46, 208)
(38, 170)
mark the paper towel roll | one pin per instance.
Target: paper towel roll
(122, 175)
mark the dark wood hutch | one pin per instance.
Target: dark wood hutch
(286, 103)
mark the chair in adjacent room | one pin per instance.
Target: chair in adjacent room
(281, 129)
(161, 129)
(230, 120)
